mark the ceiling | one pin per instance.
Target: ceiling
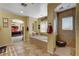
(34, 10)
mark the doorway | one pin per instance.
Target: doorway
(17, 30)
(66, 27)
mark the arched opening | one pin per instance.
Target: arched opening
(17, 30)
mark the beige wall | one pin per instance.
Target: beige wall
(5, 33)
(51, 37)
(77, 29)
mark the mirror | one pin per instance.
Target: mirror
(67, 23)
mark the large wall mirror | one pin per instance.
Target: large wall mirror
(43, 26)
(67, 23)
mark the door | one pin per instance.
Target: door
(67, 35)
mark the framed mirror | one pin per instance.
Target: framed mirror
(67, 23)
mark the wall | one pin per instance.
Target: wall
(77, 29)
(5, 33)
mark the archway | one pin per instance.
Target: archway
(17, 30)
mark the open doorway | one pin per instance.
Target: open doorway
(65, 29)
(17, 30)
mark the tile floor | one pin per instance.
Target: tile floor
(24, 49)
(21, 48)
(65, 51)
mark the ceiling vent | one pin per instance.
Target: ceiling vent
(61, 8)
(24, 4)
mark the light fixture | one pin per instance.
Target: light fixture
(17, 21)
(24, 4)
(21, 11)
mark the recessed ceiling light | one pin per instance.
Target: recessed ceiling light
(21, 11)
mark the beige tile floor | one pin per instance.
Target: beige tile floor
(21, 48)
(24, 49)
(65, 51)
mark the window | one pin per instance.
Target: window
(67, 23)
(43, 26)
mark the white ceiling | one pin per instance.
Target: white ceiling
(34, 10)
